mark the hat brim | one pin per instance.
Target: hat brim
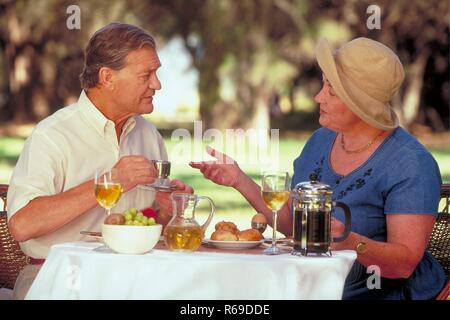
(325, 59)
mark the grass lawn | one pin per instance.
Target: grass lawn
(230, 204)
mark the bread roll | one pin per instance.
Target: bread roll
(227, 226)
(250, 235)
(223, 235)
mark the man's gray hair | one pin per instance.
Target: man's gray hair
(109, 47)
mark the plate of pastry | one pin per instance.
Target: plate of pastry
(228, 236)
(234, 244)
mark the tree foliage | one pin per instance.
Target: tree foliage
(255, 58)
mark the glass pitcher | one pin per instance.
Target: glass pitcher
(183, 233)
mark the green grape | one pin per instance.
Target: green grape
(144, 220)
(137, 223)
(128, 217)
(133, 211)
(128, 223)
(151, 221)
(139, 216)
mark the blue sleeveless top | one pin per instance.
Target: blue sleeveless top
(401, 176)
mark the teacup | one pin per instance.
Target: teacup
(163, 168)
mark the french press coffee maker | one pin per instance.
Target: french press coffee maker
(312, 207)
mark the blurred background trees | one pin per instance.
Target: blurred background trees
(254, 58)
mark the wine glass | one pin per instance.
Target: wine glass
(275, 193)
(107, 189)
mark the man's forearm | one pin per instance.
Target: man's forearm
(46, 214)
(163, 215)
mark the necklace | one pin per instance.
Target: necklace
(360, 149)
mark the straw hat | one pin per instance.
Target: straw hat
(365, 74)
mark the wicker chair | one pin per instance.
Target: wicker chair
(439, 244)
(12, 259)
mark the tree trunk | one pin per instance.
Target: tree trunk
(209, 95)
(413, 92)
(260, 116)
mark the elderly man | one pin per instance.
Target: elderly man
(51, 196)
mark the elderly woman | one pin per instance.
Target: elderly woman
(388, 179)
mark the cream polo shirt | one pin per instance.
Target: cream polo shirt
(64, 151)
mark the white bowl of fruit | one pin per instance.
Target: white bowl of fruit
(130, 232)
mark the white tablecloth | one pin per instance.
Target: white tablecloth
(84, 270)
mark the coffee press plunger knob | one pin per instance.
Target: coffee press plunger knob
(313, 177)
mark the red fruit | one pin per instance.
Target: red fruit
(149, 213)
